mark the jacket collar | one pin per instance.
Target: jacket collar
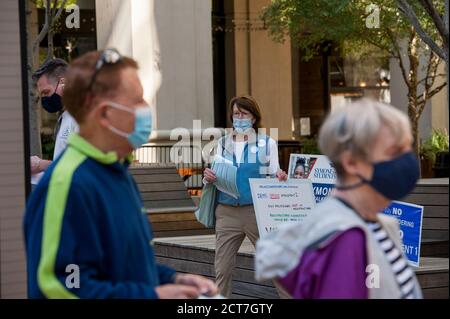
(83, 146)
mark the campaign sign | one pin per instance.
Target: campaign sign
(317, 168)
(409, 217)
(278, 202)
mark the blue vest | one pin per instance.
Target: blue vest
(249, 167)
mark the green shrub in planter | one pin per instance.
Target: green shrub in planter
(309, 146)
(436, 143)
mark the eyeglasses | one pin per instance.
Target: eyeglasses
(108, 56)
(241, 115)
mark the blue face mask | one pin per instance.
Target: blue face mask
(142, 125)
(242, 125)
(52, 103)
(393, 179)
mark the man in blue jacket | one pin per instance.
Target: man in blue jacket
(86, 231)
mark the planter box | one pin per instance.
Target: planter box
(440, 168)
(426, 168)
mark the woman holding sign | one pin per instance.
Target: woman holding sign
(346, 248)
(253, 156)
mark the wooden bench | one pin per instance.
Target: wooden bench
(170, 207)
(433, 195)
(195, 254)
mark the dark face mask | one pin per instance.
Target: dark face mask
(393, 179)
(52, 103)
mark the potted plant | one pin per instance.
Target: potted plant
(309, 146)
(434, 155)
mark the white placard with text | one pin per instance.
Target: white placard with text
(278, 202)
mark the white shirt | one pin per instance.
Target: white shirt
(238, 150)
(68, 126)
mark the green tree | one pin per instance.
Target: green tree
(359, 24)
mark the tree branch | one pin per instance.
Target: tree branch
(431, 69)
(40, 37)
(398, 55)
(58, 13)
(54, 17)
(432, 66)
(409, 13)
(49, 20)
(431, 77)
(423, 99)
(50, 14)
(53, 8)
(430, 61)
(436, 90)
(437, 19)
(48, 11)
(44, 30)
(378, 45)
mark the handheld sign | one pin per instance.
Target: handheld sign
(409, 217)
(226, 176)
(320, 171)
(278, 202)
(317, 168)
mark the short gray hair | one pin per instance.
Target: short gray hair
(54, 69)
(355, 127)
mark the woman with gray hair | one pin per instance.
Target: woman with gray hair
(346, 248)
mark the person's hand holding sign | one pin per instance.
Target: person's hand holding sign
(210, 175)
(177, 291)
(187, 286)
(205, 286)
(281, 175)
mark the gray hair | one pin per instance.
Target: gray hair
(355, 127)
(54, 69)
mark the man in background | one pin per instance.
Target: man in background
(49, 80)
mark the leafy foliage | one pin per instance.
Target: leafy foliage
(310, 23)
(437, 142)
(309, 146)
(313, 25)
(41, 3)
